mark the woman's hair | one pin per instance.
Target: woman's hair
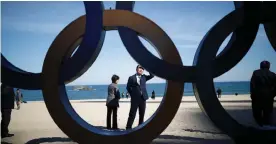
(114, 78)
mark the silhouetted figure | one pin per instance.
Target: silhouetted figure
(136, 86)
(219, 92)
(7, 104)
(262, 88)
(127, 94)
(153, 94)
(112, 102)
(236, 94)
(22, 100)
(123, 95)
(18, 98)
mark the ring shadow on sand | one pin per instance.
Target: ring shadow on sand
(49, 140)
(59, 139)
(167, 139)
(163, 139)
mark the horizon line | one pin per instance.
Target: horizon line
(147, 83)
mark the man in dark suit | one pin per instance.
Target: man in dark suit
(7, 104)
(262, 88)
(136, 87)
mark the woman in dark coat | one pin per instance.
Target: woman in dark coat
(112, 102)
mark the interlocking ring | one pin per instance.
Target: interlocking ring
(204, 86)
(74, 66)
(89, 33)
(60, 108)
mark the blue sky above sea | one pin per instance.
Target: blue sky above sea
(28, 29)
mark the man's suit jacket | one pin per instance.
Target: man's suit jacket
(134, 89)
(263, 84)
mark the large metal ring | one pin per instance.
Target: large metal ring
(74, 66)
(72, 124)
(236, 49)
(204, 86)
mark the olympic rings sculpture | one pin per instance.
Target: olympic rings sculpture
(88, 33)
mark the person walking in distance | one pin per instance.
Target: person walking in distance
(219, 93)
(262, 89)
(22, 98)
(123, 94)
(153, 94)
(18, 98)
(127, 95)
(112, 102)
(136, 87)
(7, 104)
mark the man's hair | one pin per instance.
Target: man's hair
(139, 66)
(265, 65)
(114, 78)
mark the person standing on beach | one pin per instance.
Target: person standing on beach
(153, 94)
(219, 93)
(123, 94)
(262, 89)
(18, 98)
(127, 95)
(136, 87)
(7, 104)
(112, 102)
(22, 100)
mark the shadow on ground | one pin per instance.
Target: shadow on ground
(201, 131)
(49, 140)
(5, 143)
(60, 139)
(168, 139)
(245, 116)
(104, 128)
(163, 139)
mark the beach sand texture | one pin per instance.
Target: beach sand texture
(32, 123)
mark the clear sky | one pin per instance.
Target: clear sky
(28, 29)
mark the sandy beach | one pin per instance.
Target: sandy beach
(33, 124)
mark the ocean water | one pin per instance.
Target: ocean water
(100, 92)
